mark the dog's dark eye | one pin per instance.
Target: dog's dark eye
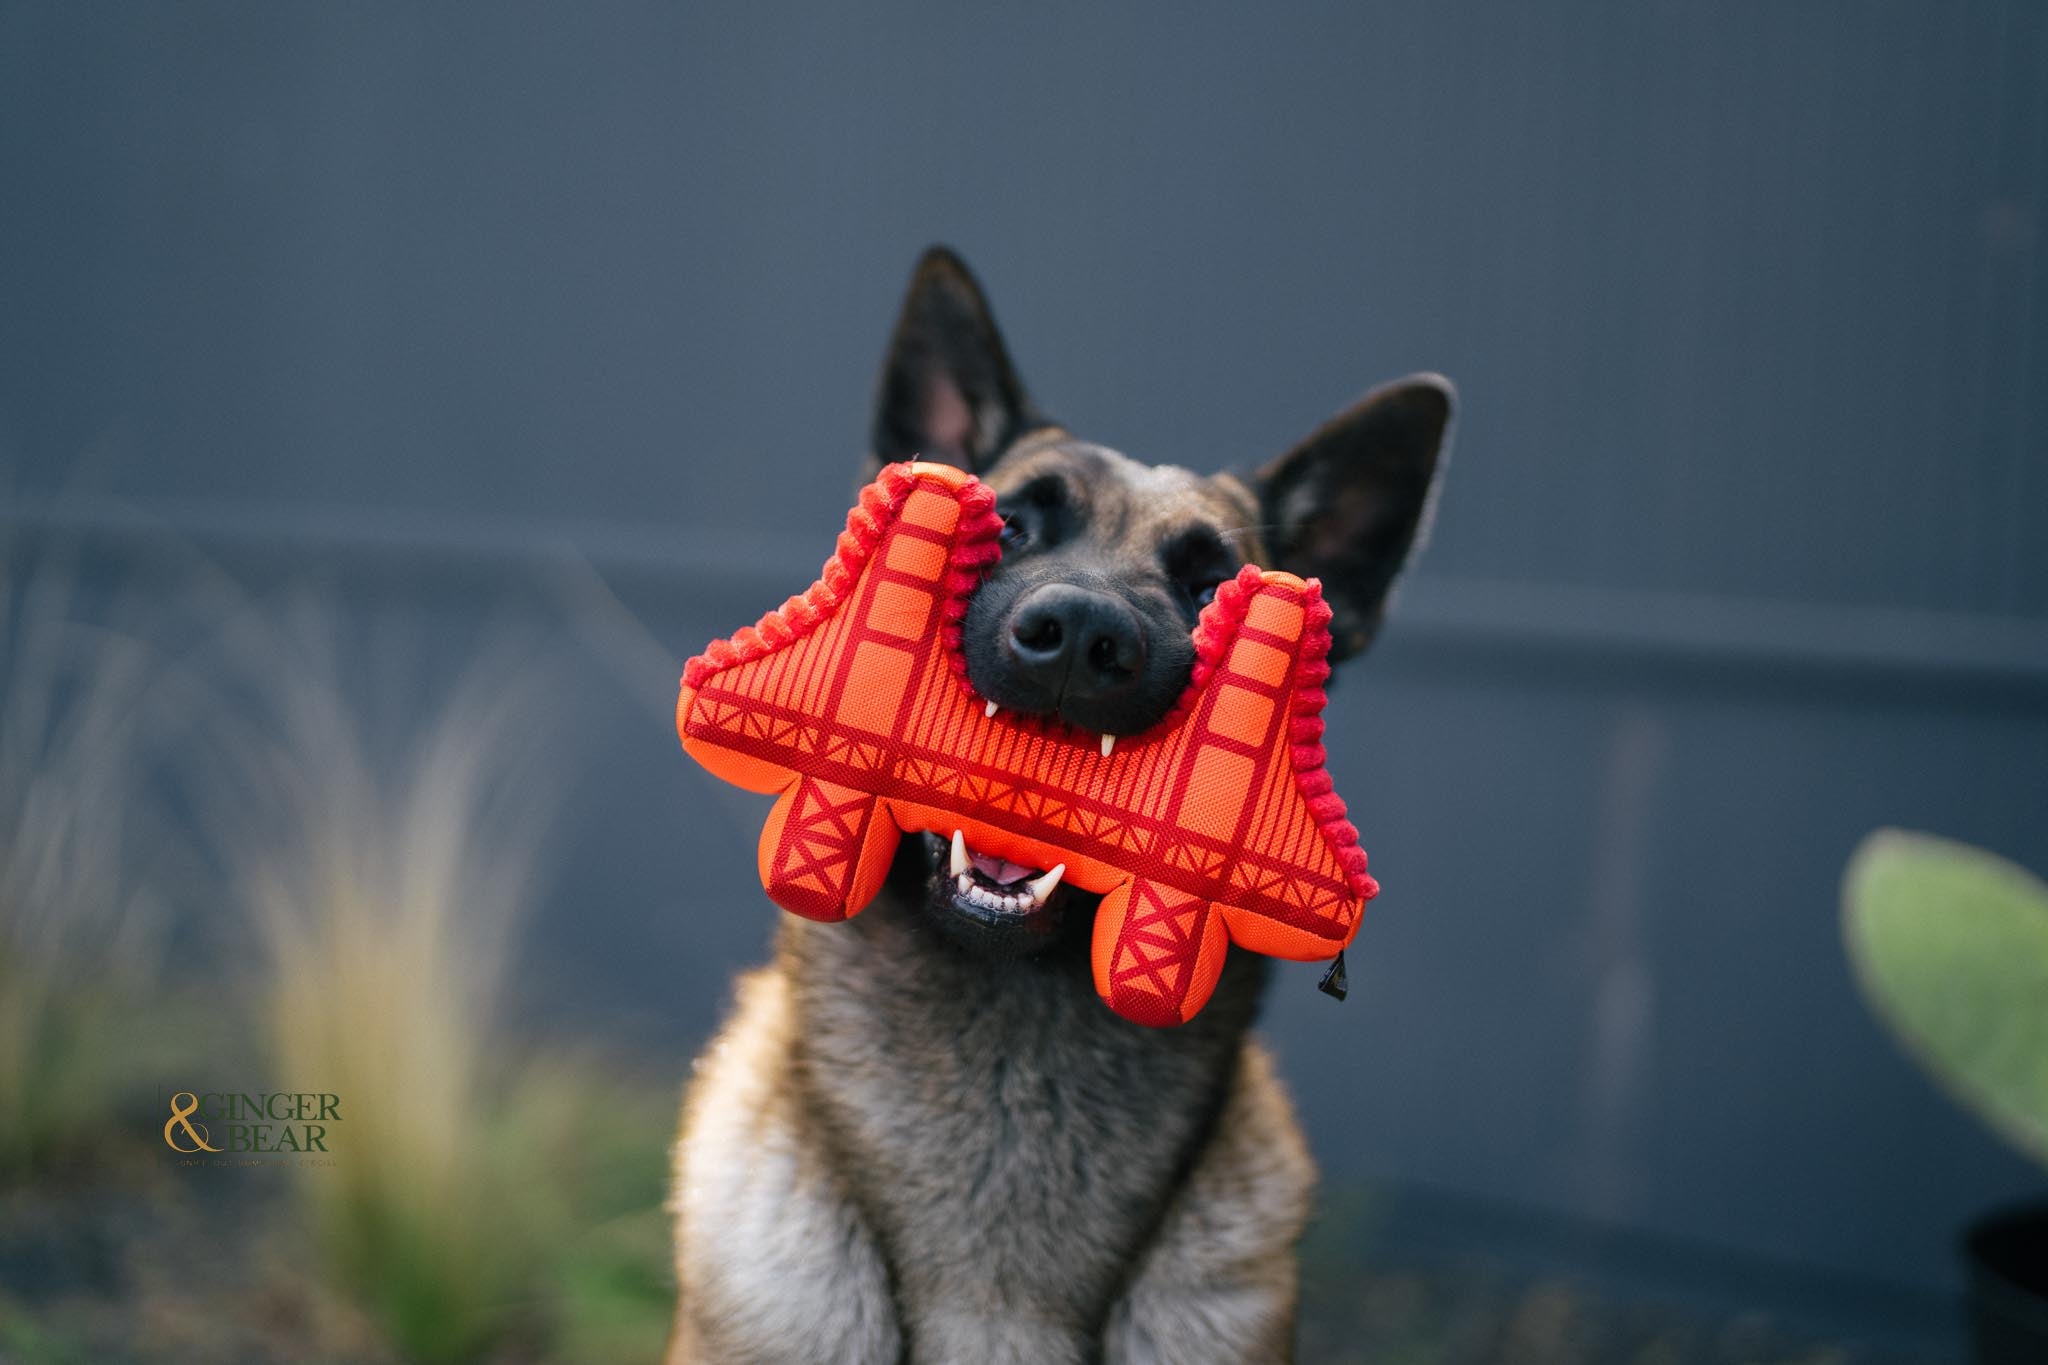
(1197, 561)
(1038, 516)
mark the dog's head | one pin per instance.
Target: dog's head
(1107, 560)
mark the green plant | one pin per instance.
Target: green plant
(1950, 945)
(488, 1199)
(608, 1289)
(385, 894)
(29, 1342)
(78, 938)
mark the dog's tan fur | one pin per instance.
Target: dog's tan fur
(899, 1150)
(777, 1262)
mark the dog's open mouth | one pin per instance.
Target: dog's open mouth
(997, 884)
(992, 898)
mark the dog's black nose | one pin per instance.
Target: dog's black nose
(1074, 642)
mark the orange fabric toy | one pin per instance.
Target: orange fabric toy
(1218, 825)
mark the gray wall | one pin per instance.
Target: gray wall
(1739, 557)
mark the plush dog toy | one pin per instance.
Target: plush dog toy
(1218, 825)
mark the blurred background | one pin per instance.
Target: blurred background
(402, 393)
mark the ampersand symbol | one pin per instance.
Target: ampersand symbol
(184, 1105)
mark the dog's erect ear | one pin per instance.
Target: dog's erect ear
(1349, 504)
(948, 391)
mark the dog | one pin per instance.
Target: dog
(921, 1137)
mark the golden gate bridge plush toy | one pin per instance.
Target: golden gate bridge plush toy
(852, 702)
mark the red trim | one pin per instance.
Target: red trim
(975, 547)
(1305, 748)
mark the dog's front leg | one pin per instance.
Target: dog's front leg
(772, 1263)
(1218, 1284)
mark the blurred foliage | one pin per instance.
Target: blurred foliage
(483, 1192)
(78, 936)
(1461, 1315)
(553, 1246)
(1950, 944)
(146, 1275)
(607, 1280)
(1382, 1284)
(488, 1200)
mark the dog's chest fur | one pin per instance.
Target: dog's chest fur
(1011, 1141)
(900, 1153)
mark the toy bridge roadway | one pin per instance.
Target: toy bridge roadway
(852, 702)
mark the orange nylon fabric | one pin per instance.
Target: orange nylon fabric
(851, 702)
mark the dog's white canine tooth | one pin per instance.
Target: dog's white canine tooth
(1042, 887)
(965, 883)
(1108, 743)
(990, 710)
(959, 854)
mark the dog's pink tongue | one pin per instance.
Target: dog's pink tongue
(1001, 871)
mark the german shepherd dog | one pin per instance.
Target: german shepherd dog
(921, 1137)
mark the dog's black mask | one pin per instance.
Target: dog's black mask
(1088, 615)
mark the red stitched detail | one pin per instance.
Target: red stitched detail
(977, 545)
(1306, 749)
